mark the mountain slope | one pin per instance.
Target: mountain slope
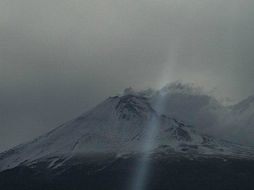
(242, 120)
(193, 105)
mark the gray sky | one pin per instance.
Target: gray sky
(60, 57)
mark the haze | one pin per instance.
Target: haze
(58, 58)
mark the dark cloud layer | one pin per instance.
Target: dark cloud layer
(60, 57)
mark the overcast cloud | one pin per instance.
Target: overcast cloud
(60, 57)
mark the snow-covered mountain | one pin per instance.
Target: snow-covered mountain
(117, 125)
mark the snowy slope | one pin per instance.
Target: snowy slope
(194, 106)
(242, 118)
(117, 125)
(245, 110)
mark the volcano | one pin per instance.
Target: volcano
(100, 149)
